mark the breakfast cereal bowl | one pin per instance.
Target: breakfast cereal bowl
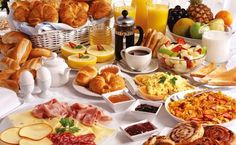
(181, 57)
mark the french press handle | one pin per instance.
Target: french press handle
(140, 39)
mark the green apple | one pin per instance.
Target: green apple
(217, 24)
(197, 29)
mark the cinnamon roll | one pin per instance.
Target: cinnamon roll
(219, 133)
(159, 140)
(186, 132)
(205, 141)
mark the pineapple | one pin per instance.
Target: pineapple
(199, 12)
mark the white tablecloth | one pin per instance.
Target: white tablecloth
(162, 120)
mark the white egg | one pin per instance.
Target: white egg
(26, 78)
(43, 74)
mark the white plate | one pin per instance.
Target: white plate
(181, 95)
(85, 91)
(5, 123)
(151, 68)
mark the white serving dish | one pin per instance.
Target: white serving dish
(120, 106)
(181, 95)
(139, 136)
(140, 115)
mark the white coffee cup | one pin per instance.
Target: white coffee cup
(137, 57)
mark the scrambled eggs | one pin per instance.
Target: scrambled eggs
(164, 84)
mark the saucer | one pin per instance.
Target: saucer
(125, 68)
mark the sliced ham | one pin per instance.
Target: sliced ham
(86, 114)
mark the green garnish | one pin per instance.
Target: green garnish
(162, 79)
(84, 56)
(168, 73)
(79, 47)
(67, 125)
(173, 80)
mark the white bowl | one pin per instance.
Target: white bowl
(138, 136)
(140, 115)
(120, 106)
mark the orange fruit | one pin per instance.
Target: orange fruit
(226, 16)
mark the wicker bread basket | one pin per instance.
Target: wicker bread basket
(56, 38)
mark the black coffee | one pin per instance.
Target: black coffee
(138, 52)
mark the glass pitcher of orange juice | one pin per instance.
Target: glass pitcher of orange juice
(141, 12)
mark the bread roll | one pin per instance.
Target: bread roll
(9, 63)
(43, 13)
(73, 15)
(159, 140)
(21, 52)
(205, 141)
(85, 75)
(13, 37)
(100, 9)
(6, 74)
(85, 6)
(34, 63)
(5, 48)
(10, 84)
(39, 52)
(186, 132)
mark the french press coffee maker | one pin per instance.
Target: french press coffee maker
(124, 33)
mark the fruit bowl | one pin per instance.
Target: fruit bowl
(181, 57)
(179, 66)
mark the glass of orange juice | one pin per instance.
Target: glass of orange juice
(158, 15)
(120, 6)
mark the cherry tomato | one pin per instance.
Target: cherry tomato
(188, 62)
(178, 48)
(199, 51)
(180, 41)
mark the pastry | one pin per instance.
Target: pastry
(19, 3)
(34, 63)
(5, 48)
(204, 141)
(203, 71)
(102, 52)
(42, 13)
(85, 75)
(21, 13)
(85, 6)
(6, 74)
(80, 60)
(72, 48)
(223, 135)
(106, 82)
(186, 132)
(10, 84)
(100, 9)
(39, 52)
(9, 63)
(13, 37)
(73, 15)
(159, 140)
(21, 51)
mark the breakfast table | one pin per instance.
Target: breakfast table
(163, 120)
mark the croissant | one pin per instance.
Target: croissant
(100, 9)
(42, 12)
(106, 82)
(20, 3)
(73, 15)
(21, 13)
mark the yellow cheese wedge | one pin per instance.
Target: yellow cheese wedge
(11, 136)
(44, 141)
(76, 62)
(101, 132)
(35, 131)
(102, 55)
(66, 50)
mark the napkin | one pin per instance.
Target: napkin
(8, 101)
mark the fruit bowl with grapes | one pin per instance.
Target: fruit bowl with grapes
(198, 18)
